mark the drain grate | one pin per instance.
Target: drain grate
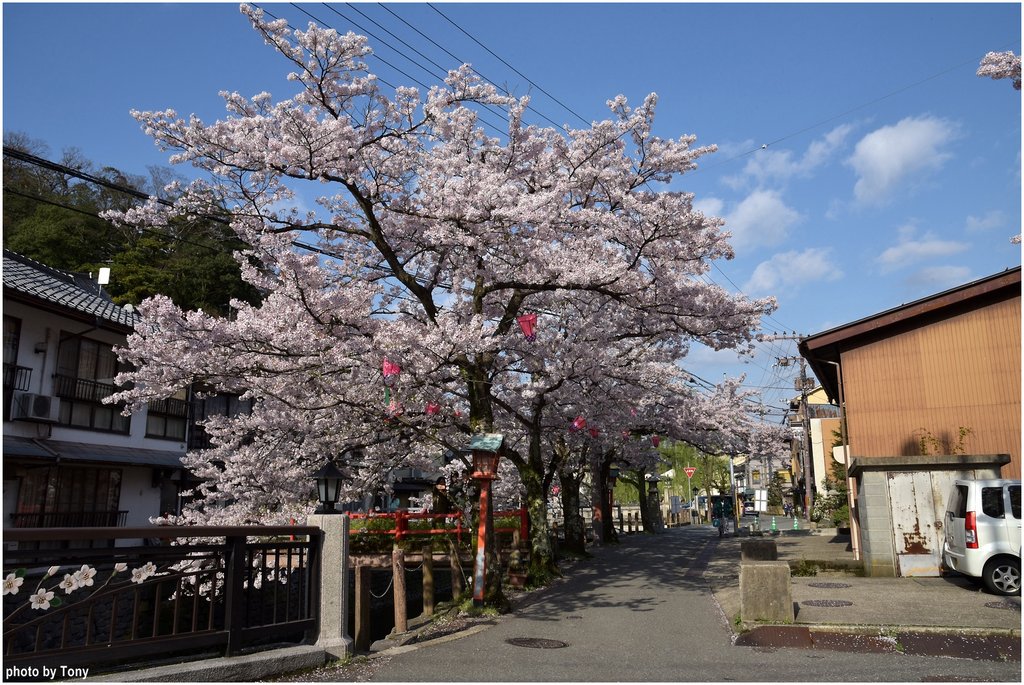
(1003, 605)
(827, 603)
(536, 643)
(830, 586)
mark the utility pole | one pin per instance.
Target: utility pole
(803, 386)
(808, 465)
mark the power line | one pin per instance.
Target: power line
(521, 74)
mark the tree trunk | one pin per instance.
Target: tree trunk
(645, 514)
(608, 534)
(542, 555)
(575, 526)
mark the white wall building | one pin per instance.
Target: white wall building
(68, 459)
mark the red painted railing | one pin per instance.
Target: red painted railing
(401, 528)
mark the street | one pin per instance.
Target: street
(640, 611)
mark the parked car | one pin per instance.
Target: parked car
(982, 533)
(748, 509)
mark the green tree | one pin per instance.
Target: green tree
(52, 215)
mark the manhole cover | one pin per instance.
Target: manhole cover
(536, 643)
(1003, 605)
(830, 586)
(827, 603)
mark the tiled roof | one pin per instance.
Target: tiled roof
(73, 291)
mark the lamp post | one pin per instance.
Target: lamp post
(653, 504)
(328, 487)
(613, 477)
(486, 450)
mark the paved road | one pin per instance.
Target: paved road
(641, 611)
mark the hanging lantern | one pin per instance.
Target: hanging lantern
(579, 424)
(528, 322)
(655, 440)
(389, 368)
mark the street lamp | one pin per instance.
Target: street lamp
(653, 503)
(328, 486)
(613, 477)
(486, 450)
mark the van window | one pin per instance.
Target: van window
(1015, 501)
(958, 502)
(992, 502)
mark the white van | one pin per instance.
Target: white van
(982, 533)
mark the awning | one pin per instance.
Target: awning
(52, 450)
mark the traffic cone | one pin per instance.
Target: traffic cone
(774, 527)
(796, 523)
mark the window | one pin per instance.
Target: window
(166, 419)
(1015, 501)
(85, 375)
(52, 496)
(12, 335)
(215, 405)
(958, 502)
(992, 502)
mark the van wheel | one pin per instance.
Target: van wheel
(1002, 576)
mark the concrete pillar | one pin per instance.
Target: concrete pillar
(333, 636)
(765, 591)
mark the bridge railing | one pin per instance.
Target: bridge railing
(221, 588)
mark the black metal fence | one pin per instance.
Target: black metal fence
(70, 519)
(215, 588)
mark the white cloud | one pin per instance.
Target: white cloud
(709, 206)
(991, 220)
(939, 278)
(787, 269)
(761, 219)
(890, 155)
(910, 249)
(770, 165)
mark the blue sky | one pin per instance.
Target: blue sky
(862, 164)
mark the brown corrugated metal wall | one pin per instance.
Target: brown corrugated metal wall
(961, 371)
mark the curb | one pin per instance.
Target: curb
(975, 644)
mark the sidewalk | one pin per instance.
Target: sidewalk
(840, 601)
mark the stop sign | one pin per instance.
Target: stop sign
(689, 471)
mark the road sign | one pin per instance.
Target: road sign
(689, 471)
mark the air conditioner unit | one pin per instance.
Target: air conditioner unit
(29, 406)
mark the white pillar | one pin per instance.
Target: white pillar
(334, 637)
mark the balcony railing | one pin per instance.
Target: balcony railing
(71, 388)
(170, 407)
(69, 519)
(17, 377)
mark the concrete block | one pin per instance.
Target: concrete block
(758, 550)
(765, 592)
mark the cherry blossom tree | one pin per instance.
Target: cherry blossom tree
(999, 65)
(430, 240)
